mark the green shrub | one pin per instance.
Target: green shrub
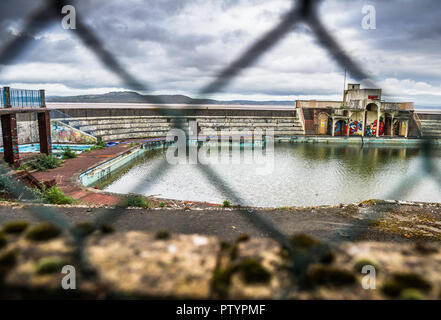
(135, 201)
(53, 195)
(100, 143)
(42, 231)
(162, 204)
(162, 235)
(68, 153)
(45, 162)
(49, 265)
(15, 226)
(6, 183)
(226, 204)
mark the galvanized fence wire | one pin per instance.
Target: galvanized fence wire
(302, 11)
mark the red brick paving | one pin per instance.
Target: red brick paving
(64, 175)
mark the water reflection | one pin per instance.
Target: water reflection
(304, 174)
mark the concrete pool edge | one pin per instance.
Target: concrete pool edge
(405, 142)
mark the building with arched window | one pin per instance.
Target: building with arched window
(361, 113)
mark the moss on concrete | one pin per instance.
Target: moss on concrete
(42, 232)
(15, 227)
(50, 265)
(162, 235)
(399, 282)
(322, 275)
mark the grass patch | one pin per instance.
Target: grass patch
(68, 153)
(42, 232)
(15, 227)
(162, 235)
(399, 282)
(50, 265)
(135, 201)
(53, 195)
(226, 204)
(45, 162)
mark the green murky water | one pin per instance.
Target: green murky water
(300, 175)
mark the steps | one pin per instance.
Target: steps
(431, 128)
(117, 128)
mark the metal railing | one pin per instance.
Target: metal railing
(21, 98)
(2, 98)
(303, 11)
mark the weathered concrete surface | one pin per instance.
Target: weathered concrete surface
(401, 222)
(137, 265)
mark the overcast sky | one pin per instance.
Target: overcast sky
(177, 46)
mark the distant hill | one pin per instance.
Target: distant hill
(134, 97)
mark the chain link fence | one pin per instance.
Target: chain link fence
(302, 11)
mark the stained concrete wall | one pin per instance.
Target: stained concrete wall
(117, 124)
(27, 128)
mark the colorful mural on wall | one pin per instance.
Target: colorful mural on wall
(371, 129)
(62, 133)
(355, 127)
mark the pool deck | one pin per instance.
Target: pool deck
(65, 176)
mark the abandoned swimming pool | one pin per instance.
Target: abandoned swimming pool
(301, 175)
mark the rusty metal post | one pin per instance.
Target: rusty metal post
(10, 138)
(7, 97)
(43, 98)
(44, 130)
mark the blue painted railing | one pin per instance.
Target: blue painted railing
(25, 98)
(2, 98)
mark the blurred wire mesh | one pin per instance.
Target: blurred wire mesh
(302, 11)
